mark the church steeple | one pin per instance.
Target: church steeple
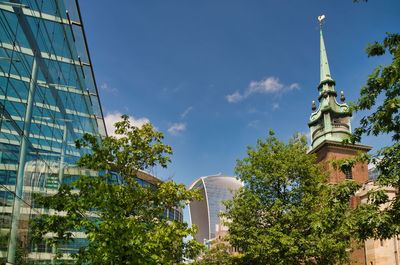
(324, 67)
(331, 121)
(329, 126)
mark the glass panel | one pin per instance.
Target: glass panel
(62, 111)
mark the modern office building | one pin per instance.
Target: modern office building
(373, 172)
(48, 99)
(146, 179)
(214, 189)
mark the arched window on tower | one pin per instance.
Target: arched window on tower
(349, 174)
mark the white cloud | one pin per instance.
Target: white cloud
(176, 128)
(270, 85)
(235, 97)
(275, 106)
(294, 86)
(183, 115)
(111, 118)
(106, 88)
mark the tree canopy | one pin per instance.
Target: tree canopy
(123, 222)
(381, 97)
(287, 213)
(217, 255)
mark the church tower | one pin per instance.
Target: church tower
(330, 124)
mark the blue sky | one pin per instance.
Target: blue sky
(215, 75)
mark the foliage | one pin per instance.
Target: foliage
(287, 213)
(381, 96)
(217, 255)
(20, 252)
(385, 80)
(123, 222)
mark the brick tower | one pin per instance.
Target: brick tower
(330, 125)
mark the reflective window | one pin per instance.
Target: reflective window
(64, 105)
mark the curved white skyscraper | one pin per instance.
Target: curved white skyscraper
(214, 190)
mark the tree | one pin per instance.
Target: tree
(381, 96)
(123, 222)
(217, 255)
(287, 213)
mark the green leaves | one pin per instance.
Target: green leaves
(287, 213)
(374, 49)
(217, 255)
(385, 82)
(381, 96)
(275, 170)
(123, 222)
(132, 149)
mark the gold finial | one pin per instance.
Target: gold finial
(313, 106)
(342, 98)
(325, 93)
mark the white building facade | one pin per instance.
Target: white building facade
(214, 189)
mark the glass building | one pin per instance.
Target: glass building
(214, 189)
(145, 180)
(373, 172)
(48, 99)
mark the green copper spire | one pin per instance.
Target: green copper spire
(331, 121)
(325, 72)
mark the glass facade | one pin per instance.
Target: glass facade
(214, 189)
(48, 99)
(373, 172)
(146, 180)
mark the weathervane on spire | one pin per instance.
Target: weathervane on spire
(320, 18)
